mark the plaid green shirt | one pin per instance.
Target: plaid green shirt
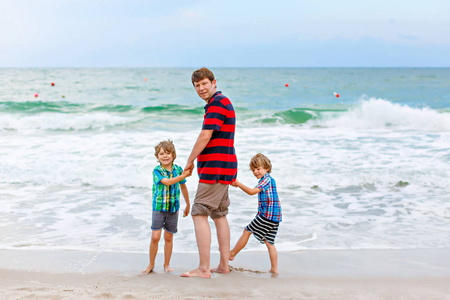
(166, 198)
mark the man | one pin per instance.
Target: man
(217, 169)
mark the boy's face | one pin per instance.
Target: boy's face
(165, 157)
(259, 172)
(205, 88)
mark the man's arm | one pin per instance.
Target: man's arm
(200, 144)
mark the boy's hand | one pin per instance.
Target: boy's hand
(186, 211)
(235, 183)
(187, 173)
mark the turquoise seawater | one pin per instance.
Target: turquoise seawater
(367, 169)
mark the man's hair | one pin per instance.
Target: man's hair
(260, 160)
(167, 146)
(201, 74)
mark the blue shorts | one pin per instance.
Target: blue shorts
(166, 220)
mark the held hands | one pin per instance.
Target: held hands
(187, 173)
(235, 183)
(189, 166)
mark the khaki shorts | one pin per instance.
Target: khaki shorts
(211, 200)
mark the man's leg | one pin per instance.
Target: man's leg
(223, 237)
(203, 237)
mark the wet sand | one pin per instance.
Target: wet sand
(320, 274)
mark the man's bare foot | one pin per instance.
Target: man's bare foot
(221, 270)
(168, 269)
(148, 270)
(197, 273)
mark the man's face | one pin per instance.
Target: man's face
(205, 88)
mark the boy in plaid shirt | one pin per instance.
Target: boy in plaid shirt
(265, 225)
(168, 179)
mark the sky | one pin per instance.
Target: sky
(225, 33)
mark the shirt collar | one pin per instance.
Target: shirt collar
(165, 170)
(264, 177)
(209, 102)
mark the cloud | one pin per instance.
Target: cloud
(408, 37)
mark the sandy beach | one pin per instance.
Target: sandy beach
(321, 274)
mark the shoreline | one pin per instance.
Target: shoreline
(320, 274)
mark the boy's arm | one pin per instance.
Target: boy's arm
(248, 190)
(185, 193)
(200, 144)
(170, 181)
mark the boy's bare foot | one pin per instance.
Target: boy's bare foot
(232, 256)
(273, 271)
(168, 269)
(221, 270)
(148, 270)
(197, 273)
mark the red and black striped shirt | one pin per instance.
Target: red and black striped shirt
(218, 162)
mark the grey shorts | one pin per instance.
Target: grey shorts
(211, 200)
(166, 220)
(263, 229)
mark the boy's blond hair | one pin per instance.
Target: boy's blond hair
(167, 146)
(260, 160)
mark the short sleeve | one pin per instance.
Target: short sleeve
(263, 185)
(179, 171)
(215, 116)
(157, 176)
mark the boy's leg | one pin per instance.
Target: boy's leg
(156, 236)
(273, 255)
(170, 228)
(168, 246)
(241, 243)
(223, 237)
(203, 237)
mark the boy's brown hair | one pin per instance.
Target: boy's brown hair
(167, 146)
(260, 160)
(201, 74)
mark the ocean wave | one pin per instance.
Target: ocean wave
(296, 115)
(383, 114)
(366, 114)
(174, 109)
(61, 122)
(37, 107)
(66, 116)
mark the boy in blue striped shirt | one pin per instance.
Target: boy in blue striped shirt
(265, 225)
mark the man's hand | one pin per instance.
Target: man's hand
(189, 167)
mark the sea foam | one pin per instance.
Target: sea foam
(383, 114)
